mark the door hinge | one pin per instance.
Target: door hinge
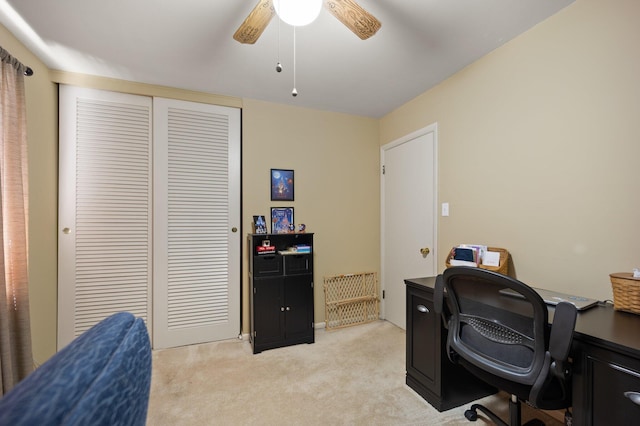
(255, 333)
(313, 325)
(383, 294)
(383, 169)
(311, 284)
(254, 290)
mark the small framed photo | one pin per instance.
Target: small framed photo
(259, 225)
(282, 220)
(281, 185)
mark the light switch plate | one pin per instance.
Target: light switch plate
(445, 209)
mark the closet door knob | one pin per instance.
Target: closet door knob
(423, 309)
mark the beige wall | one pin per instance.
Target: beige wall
(42, 139)
(539, 149)
(335, 158)
(538, 153)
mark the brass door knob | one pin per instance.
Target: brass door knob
(425, 251)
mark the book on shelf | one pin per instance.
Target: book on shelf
(302, 248)
(297, 249)
(265, 249)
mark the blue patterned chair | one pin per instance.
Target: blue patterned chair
(103, 377)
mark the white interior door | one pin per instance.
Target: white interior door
(409, 217)
(196, 223)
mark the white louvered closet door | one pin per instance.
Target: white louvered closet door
(148, 219)
(105, 193)
(196, 219)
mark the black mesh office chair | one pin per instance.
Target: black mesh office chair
(499, 330)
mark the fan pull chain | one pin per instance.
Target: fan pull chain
(279, 65)
(294, 92)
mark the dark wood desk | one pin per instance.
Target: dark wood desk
(605, 353)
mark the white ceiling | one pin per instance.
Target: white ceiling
(188, 44)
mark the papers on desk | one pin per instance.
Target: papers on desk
(491, 258)
(466, 255)
(455, 262)
(473, 255)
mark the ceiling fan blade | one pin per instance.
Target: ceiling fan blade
(362, 23)
(252, 27)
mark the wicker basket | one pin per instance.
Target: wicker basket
(351, 299)
(503, 268)
(626, 292)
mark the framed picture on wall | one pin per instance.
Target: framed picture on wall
(282, 220)
(281, 185)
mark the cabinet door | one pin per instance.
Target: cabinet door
(298, 307)
(268, 311)
(423, 345)
(429, 372)
(607, 386)
(610, 405)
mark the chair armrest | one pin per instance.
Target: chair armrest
(564, 322)
(438, 295)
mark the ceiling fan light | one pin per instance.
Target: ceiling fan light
(298, 12)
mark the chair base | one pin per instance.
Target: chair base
(515, 414)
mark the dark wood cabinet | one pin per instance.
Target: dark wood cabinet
(281, 286)
(605, 353)
(429, 372)
(606, 374)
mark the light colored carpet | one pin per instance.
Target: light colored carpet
(351, 376)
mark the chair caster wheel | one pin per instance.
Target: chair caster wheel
(471, 415)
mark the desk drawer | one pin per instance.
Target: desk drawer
(297, 264)
(615, 387)
(267, 265)
(607, 385)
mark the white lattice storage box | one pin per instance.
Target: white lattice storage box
(351, 299)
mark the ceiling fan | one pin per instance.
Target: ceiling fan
(350, 13)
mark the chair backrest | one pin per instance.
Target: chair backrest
(498, 327)
(103, 377)
(505, 335)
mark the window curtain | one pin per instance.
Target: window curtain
(16, 360)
